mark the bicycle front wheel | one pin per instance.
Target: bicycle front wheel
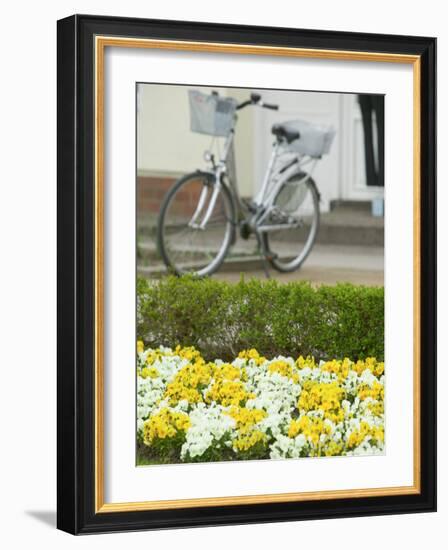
(293, 224)
(196, 225)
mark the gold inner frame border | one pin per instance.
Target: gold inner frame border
(100, 44)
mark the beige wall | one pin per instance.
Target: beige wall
(165, 144)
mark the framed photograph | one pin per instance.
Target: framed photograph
(246, 274)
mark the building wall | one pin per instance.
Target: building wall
(167, 149)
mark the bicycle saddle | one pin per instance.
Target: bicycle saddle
(284, 133)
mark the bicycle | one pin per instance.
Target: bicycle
(201, 213)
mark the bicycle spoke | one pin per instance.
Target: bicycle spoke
(188, 245)
(298, 208)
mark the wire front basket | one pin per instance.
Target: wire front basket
(211, 114)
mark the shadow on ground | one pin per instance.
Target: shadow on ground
(48, 517)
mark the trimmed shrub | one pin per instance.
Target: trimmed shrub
(221, 319)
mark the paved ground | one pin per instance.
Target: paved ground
(349, 248)
(327, 264)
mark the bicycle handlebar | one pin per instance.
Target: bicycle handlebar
(255, 99)
(270, 106)
(243, 104)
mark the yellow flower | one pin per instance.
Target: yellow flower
(228, 386)
(247, 441)
(311, 427)
(375, 392)
(149, 372)
(189, 353)
(140, 346)
(189, 381)
(375, 367)
(165, 424)
(252, 354)
(378, 433)
(285, 369)
(228, 392)
(376, 408)
(245, 418)
(303, 362)
(340, 368)
(176, 391)
(226, 371)
(357, 436)
(333, 449)
(324, 397)
(378, 369)
(155, 355)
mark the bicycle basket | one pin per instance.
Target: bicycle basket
(211, 114)
(315, 140)
(292, 195)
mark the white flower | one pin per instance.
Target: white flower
(208, 425)
(368, 378)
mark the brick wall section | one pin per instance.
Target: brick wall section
(152, 189)
(150, 192)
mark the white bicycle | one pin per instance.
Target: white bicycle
(203, 212)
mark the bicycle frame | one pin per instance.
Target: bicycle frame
(264, 200)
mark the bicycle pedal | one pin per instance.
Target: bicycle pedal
(245, 231)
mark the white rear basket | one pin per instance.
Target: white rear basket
(315, 139)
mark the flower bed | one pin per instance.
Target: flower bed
(190, 410)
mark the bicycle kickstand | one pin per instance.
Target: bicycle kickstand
(263, 257)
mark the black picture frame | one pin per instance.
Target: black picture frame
(76, 275)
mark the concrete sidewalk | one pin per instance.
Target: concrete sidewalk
(326, 264)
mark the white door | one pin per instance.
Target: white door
(353, 174)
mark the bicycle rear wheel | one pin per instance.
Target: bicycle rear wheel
(294, 224)
(186, 244)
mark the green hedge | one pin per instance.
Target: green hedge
(221, 319)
